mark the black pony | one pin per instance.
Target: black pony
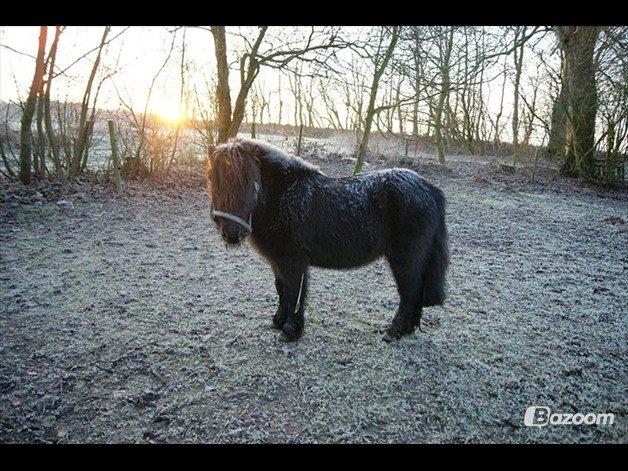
(295, 216)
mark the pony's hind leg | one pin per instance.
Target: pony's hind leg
(408, 276)
(418, 313)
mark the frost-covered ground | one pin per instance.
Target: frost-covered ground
(125, 320)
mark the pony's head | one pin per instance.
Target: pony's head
(233, 181)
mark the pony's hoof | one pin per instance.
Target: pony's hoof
(278, 323)
(290, 332)
(394, 333)
(389, 338)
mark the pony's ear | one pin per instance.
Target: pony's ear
(210, 151)
(252, 149)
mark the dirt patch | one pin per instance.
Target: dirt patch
(123, 319)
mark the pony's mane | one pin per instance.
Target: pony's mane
(273, 155)
(231, 170)
(234, 166)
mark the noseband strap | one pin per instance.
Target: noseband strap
(234, 218)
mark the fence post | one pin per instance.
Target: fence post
(536, 159)
(253, 129)
(406, 154)
(299, 141)
(114, 156)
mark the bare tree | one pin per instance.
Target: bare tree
(578, 45)
(26, 136)
(223, 93)
(84, 129)
(520, 31)
(52, 140)
(179, 122)
(277, 54)
(446, 83)
(612, 82)
(381, 58)
(444, 48)
(294, 82)
(331, 107)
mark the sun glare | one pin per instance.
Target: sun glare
(169, 112)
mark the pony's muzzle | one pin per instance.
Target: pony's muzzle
(233, 233)
(233, 229)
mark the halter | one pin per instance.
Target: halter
(234, 218)
(238, 220)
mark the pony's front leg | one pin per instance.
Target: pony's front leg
(279, 319)
(294, 287)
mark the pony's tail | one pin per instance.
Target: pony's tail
(436, 266)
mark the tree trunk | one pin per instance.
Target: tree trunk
(399, 110)
(229, 122)
(558, 128)
(442, 98)
(518, 60)
(610, 162)
(54, 148)
(370, 110)
(222, 90)
(84, 128)
(114, 157)
(40, 156)
(558, 125)
(183, 72)
(366, 133)
(578, 43)
(240, 105)
(280, 102)
(29, 109)
(417, 89)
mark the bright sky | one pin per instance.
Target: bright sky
(137, 55)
